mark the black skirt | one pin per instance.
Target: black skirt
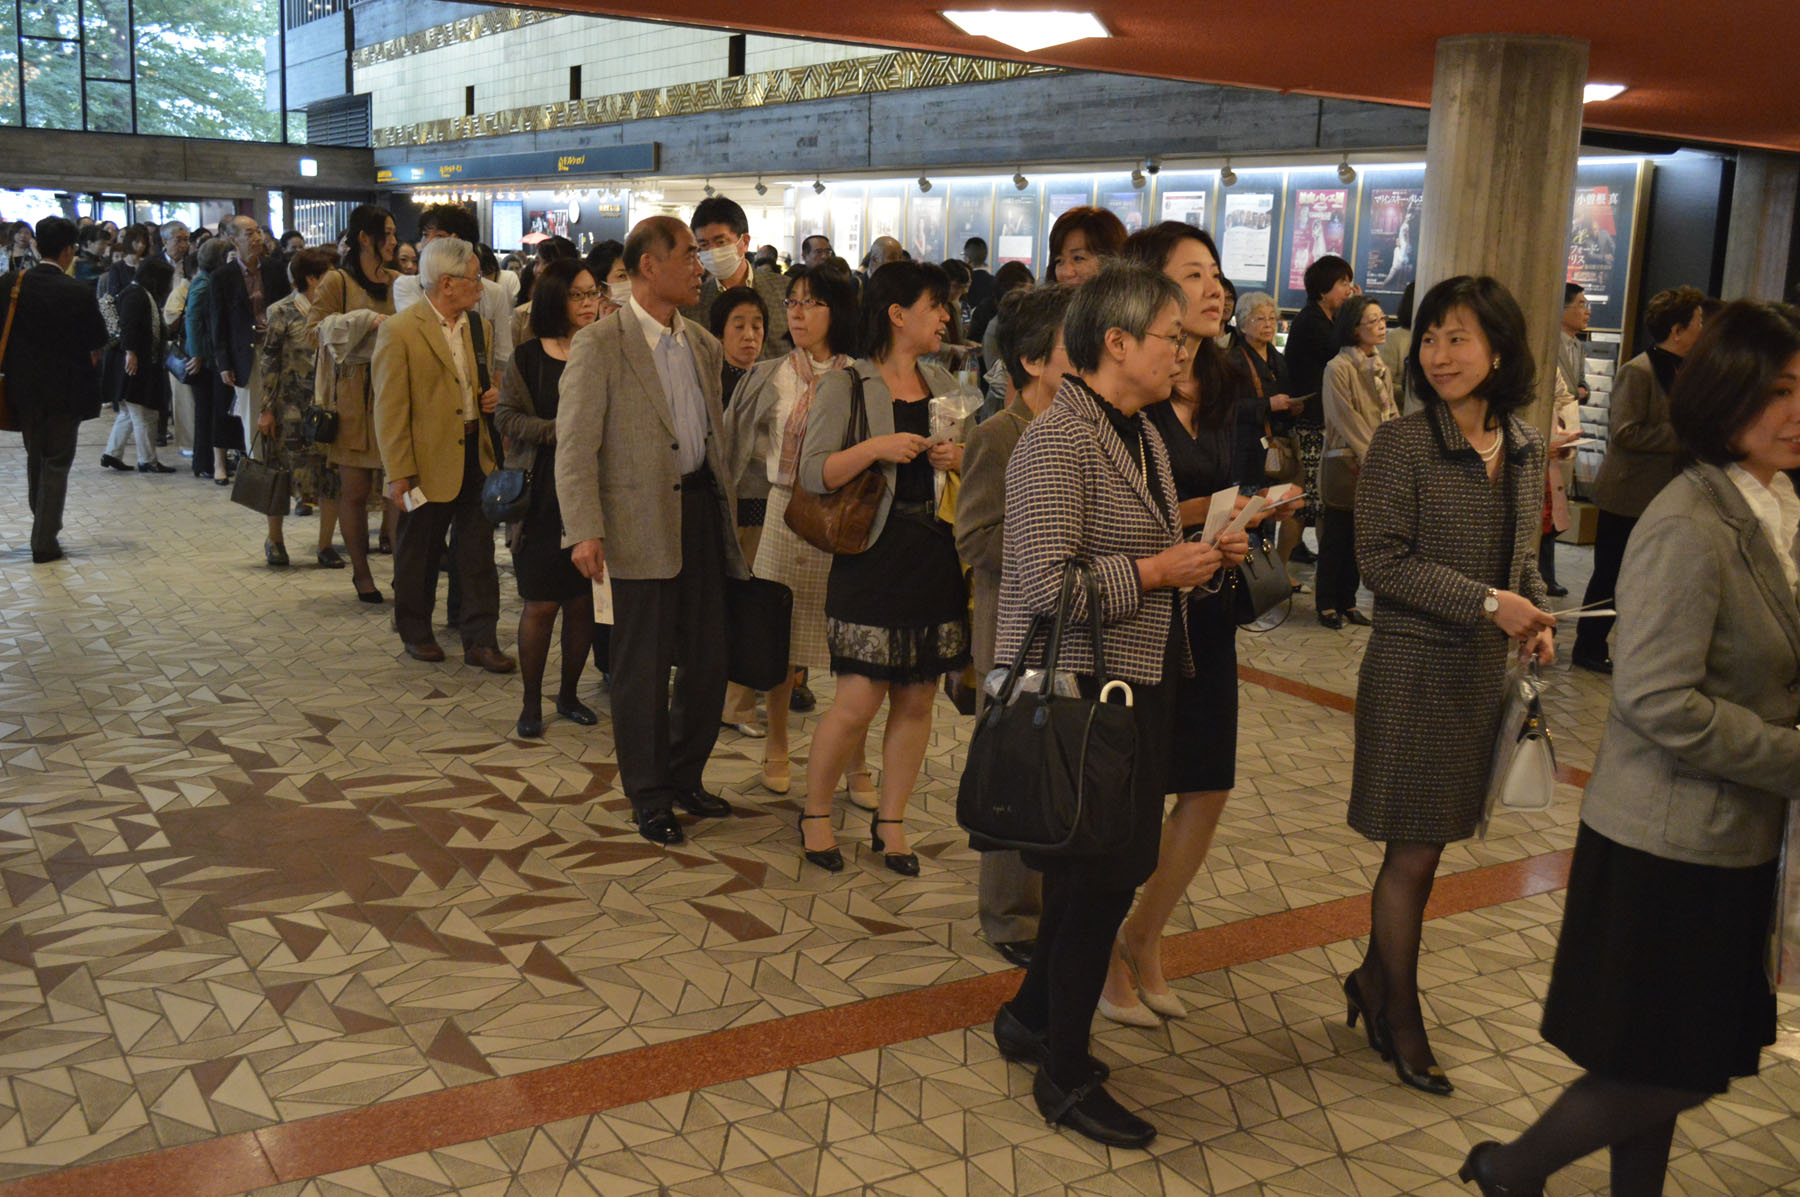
(545, 570)
(1203, 755)
(899, 611)
(1659, 974)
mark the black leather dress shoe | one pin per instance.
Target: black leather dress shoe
(702, 805)
(1332, 620)
(112, 463)
(1020, 1044)
(154, 467)
(660, 827)
(1354, 615)
(1592, 664)
(1089, 1110)
(577, 712)
(45, 556)
(1555, 591)
(1017, 952)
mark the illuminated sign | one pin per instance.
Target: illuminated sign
(637, 159)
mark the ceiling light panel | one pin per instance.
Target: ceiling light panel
(1027, 31)
(1595, 93)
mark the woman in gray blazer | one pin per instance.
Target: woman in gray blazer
(1659, 989)
(896, 614)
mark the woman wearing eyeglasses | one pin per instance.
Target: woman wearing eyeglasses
(765, 422)
(1358, 395)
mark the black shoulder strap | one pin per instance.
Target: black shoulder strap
(480, 343)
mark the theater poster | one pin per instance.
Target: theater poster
(1016, 225)
(1321, 222)
(925, 228)
(971, 215)
(1388, 241)
(1247, 235)
(1602, 237)
(1186, 207)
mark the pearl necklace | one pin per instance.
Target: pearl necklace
(1488, 454)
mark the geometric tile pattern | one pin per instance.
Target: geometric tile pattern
(259, 867)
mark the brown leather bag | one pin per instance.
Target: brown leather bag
(839, 522)
(8, 421)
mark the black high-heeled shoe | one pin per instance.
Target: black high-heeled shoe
(904, 863)
(1479, 1168)
(1355, 1007)
(1432, 1080)
(830, 859)
(576, 711)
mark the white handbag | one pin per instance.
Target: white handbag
(1522, 774)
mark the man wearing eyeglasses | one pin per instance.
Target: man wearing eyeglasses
(722, 232)
(434, 396)
(1571, 359)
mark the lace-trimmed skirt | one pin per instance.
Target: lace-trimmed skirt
(899, 611)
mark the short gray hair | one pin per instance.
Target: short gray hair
(214, 253)
(170, 230)
(442, 257)
(1126, 295)
(1250, 301)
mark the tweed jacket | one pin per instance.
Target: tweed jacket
(1700, 755)
(1403, 539)
(981, 520)
(419, 404)
(773, 289)
(830, 416)
(1073, 493)
(616, 448)
(1642, 454)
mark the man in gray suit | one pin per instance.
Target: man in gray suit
(638, 469)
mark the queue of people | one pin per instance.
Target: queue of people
(672, 405)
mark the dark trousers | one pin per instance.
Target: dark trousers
(49, 436)
(1547, 558)
(1068, 969)
(419, 548)
(1336, 580)
(1610, 536)
(663, 740)
(205, 385)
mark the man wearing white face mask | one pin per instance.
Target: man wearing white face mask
(723, 232)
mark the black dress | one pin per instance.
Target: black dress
(1203, 752)
(899, 611)
(546, 571)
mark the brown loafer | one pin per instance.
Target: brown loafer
(490, 659)
(425, 650)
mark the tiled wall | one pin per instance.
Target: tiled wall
(531, 65)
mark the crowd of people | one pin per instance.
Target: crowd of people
(672, 411)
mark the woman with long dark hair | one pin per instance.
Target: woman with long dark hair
(1447, 510)
(1198, 427)
(351, 304)
(136, 380)
(897, 614)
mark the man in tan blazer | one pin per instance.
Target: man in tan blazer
(638, 476)
(433, 399)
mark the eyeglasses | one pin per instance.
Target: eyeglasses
(1375, 322)
(583, 296)
(795, 305)
(1179, 340)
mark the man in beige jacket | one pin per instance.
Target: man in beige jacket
(433, 400)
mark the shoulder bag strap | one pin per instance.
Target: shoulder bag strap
(1093, 590)
(12, 309)
(857, 430)
(1053, 648)
(1255, 374)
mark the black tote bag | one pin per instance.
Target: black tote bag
(758, 616)
(1048, 774)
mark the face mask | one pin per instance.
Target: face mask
(722, 262)
(620, 293)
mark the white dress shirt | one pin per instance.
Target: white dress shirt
(466, 375)
(1777, 508)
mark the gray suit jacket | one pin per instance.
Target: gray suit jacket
(1700, 754)
(1642, 454)
(616, 477)
(830, 416)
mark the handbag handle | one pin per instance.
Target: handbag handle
(1017, 668)
(1073, 572)
(856, 428)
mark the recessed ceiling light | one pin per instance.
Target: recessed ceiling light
(1595, 93)
(1027, 31)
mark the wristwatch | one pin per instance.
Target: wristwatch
(1491, 604)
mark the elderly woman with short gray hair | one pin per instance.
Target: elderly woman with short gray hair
(1091, 482)
(1271, 413)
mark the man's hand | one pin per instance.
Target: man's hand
(590, 558)
(229, 377)
(130, 362)
(397, 491)
(945, 456)
(490, 399)
(265, 423)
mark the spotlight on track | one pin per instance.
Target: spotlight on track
(762, 188)
(924, 183)
(1346, 172)
(1227, 177)
(1020, 181)
(818, 186)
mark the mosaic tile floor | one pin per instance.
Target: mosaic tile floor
(260, 868)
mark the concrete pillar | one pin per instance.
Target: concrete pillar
(1500, 174)
(1761, 234)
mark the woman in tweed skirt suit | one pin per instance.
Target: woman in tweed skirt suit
(1091, 482)
(1447, 510)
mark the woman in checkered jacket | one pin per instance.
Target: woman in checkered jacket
(1091, 483)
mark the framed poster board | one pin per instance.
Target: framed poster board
(1249, 221)
(1317, 221)
(1061, 193)
(508, 221)
(1016, 233)
(971, 215)
(885, 215)
(1387, 232)
(847, 202)
(1186, 196)
(925, 227)
(1130, 204)
(1604, 238)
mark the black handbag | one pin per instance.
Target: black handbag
(505, 496)
(1258, 586)
(318, 425)
(758, 618)
(262, 487)
(1047, 774)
